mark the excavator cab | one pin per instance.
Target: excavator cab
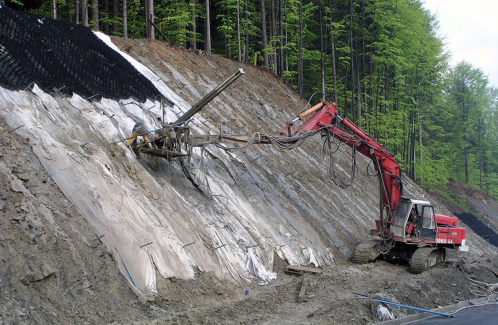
(429, 226)
(423, 226)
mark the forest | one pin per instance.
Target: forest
(381, 61)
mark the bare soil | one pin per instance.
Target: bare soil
(53, 269)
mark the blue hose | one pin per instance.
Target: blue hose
(405, 306)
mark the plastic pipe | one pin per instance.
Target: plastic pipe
(405, 306)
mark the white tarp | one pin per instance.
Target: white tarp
(155, 220)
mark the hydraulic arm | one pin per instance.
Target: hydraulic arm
(326, 119)
(424, 247)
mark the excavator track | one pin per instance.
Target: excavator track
(366, 252)
(424, 258)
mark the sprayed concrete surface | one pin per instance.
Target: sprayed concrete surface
(188, 258)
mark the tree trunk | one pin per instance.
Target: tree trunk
(420, 144)
(54, 9)
(420, 138)
(285, 40)
(147, 23)
(273, 31)
(352, 67)
(281, 33)
(106, 24)
(77, 12)
(194, 27)
(332, 47)
(149, 19)
(371, 84)
(239, 45)
(84, 12)
(95, 14)
(263, 33)
(246, 21)
(358, 73)
(466, 153)
(358, 90)
(115, 9)
(322, 54)
(300, 52)
(364, 64)
(125, 20)
(207, 35)
(480, 153)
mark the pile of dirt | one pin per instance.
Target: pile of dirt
(55, 270)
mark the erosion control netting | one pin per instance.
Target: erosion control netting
(479, 227)
(64, 57)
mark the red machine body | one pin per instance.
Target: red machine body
(399, 237)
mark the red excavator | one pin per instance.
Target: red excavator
(423, 239)
(408, 228)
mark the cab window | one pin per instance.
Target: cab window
(401, 212)
(428, 218)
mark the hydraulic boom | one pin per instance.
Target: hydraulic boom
(411, 230)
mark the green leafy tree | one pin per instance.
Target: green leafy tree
(380, 61)
(175, 19)
(230, 26)
(467, 93)
(489, 144)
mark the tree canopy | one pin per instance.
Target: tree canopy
(381, 61)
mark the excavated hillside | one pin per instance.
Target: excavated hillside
(90, 234)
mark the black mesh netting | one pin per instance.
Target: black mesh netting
(479, 227)
(60, 56)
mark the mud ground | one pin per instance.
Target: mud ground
(53, 270)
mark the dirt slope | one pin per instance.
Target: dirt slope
(53, 270)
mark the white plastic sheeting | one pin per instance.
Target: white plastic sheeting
(156, 222)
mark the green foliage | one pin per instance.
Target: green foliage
(227, 15)
(136, 19)
(466, 91)
(175, 19)
(392, 74)
(433, 166)
(230, 29)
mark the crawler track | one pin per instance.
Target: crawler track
(424, 258)
(366, 252)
